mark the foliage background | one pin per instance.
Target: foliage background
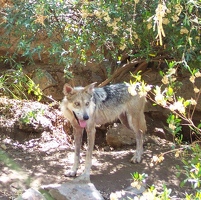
(68, 32)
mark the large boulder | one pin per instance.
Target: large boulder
(73, 191)
(31, 194)
(187, 90)
(119, 135)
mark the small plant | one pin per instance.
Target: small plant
(197, 196)
(175, 127)
(152, 194)
(165, 96)
(192, 170)
(138, 86)
(149, 194)
(138, 179)
(180, 108)
(18, 85)
(181, 114)
(33, 88)
(31, 115)
(4, 89)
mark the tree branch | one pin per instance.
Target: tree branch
(124, 69)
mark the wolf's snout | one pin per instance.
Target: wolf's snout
(85, 117)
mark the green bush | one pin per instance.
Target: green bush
(81, 31)
(192, 170)
(180, 110)
(16, 84)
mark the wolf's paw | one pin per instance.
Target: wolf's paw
(135, 159)
(70, 173)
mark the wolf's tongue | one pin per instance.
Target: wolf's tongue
(83, 123)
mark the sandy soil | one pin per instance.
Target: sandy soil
(41, 159)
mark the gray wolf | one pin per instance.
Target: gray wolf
(86, 107)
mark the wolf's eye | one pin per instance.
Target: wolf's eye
(76, 104)
(87, 104)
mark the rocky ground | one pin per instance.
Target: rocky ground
(36, 149)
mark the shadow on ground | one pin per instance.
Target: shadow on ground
(23, 167)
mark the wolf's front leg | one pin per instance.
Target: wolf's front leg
(90, 140)
(78, 133)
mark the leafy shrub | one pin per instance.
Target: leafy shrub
(192, 170)
(81, 31)
(16, 84)
(180, 109)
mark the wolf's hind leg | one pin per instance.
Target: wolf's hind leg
(138, 125)
(139, 148)
(124, 120)
(78, 133)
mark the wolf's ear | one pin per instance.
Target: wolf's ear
(67, 89)
(89, 88)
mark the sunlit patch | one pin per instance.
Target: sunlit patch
(4, 178)
(70, 157)
(13, 175)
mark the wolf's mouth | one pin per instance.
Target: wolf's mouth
(82, 123)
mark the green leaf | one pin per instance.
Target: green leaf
(170, 91)
(186, 103)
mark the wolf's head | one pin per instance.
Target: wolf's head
(80, 102)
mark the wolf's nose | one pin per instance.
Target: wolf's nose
(85, 117)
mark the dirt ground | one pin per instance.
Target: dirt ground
(30, 165)
(42, 159)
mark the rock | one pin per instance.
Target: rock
(73, 191)
(129, 193)
(31, 194)
(44, 80)
(119, 135)
(187, 90)
(3, 146)
(36, 124)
